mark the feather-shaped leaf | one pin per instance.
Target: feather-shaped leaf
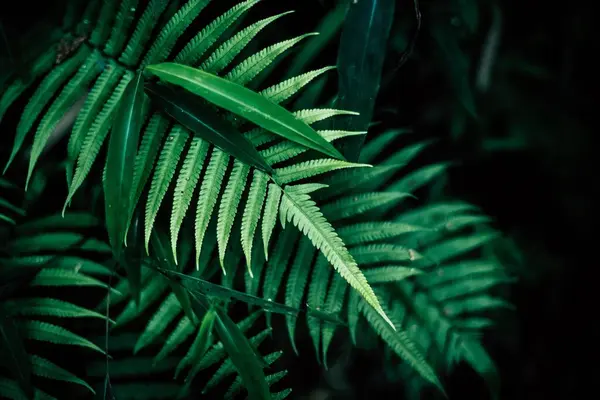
(46, 369)
(298, 207)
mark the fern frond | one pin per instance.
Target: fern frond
(317, 293)
(223, 55)
(172, 30)
(11, 390)
(46, 89)
(95, 137)
(47, 369)
(229, 206)
(163, 174)
(49, 307)
(334, 304)
(297, 207)
(200, 43)
(253, 65)
(93, 103)
(270, 215)
(280, 92)
(209, 191)
(400, 343)
(118, 34)
(46, 332)
(39, 66)
(186, 183)
(143, 29)
(104, 22)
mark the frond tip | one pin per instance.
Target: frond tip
(299, 208)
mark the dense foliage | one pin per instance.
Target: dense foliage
(211, 182)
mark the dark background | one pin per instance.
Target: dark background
(540, 194)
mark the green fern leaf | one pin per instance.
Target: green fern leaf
(251, 215)
(186, 183)
(95, 137)
(45, 332)
(200, 43)
(298, 207)
(163, 174)
(46, 369)
(51, 83)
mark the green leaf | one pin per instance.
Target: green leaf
(192, 113)
(122, 149)
(243, 102)
(160, 244)
(360, 62)
(203, 287)
(243, 356)
(49, 370)
(203, 340)
(12, 353)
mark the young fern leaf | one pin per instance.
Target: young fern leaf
(282, 91)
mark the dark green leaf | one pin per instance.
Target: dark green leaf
(205, 288)
(13, 355)
(160, 244)
(204, 337)
(191, 112)
(481, 362)
(360, 62)
(244, 102)
(243, 356)
(456, 62)
(122, 148)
